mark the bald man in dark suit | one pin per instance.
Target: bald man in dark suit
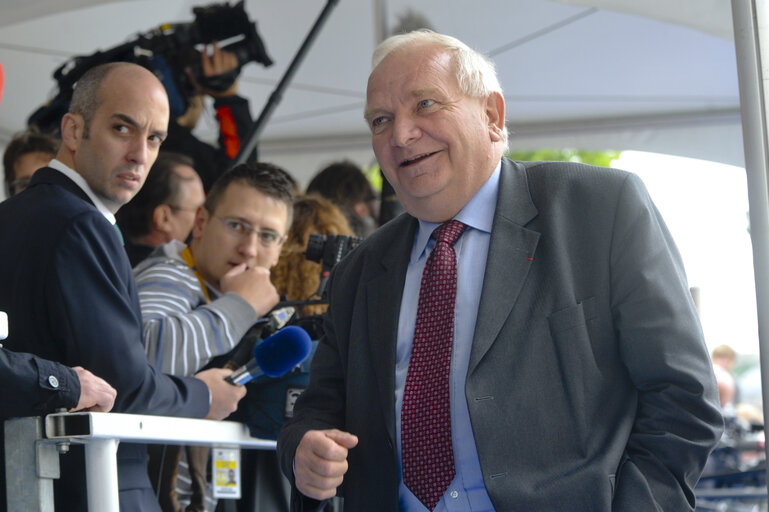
(65, 280)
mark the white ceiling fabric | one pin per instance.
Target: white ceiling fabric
(599, 74)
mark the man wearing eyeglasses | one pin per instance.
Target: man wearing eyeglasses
(198, 300)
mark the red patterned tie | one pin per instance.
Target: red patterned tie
(428, 459)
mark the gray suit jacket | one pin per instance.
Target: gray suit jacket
(589, 386)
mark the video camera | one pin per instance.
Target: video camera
(328, 250)
(168, 51)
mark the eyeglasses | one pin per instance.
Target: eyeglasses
(182, 209)
(267, 237)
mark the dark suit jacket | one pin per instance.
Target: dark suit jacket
(70, 295)
(589, 384)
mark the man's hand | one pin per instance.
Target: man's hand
(224, 396)
(218, 63)
(254, 285)
(192, 115)
(320, 462)
(96, 395)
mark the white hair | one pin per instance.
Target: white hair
(475, 73)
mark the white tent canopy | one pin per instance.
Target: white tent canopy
(575, 73)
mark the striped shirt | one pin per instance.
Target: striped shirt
(182, 331)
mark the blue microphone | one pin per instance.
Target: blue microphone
(275, 356)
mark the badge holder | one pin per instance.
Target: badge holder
(226, 466)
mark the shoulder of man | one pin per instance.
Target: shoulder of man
(166, 256)
(569, 172)
(552, 183)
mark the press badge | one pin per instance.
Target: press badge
(226, 466)
(291, 395)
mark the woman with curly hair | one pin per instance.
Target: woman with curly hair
(295, 276)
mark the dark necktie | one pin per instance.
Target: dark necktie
(427, 455)
(119, 233)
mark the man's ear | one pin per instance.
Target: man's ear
(495, 115)
(161, 218)
(72, 129)
(201, 218)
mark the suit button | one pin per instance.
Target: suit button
(53, 381)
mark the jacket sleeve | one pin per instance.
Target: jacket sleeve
(95, 308)
(40, 386)
(319, 407)
(181, 332)
(678, 420)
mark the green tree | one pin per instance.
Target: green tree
(600, 158)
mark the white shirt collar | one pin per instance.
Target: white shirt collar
(80, 182)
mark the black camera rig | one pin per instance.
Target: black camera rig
(168, 51)
(328, 250)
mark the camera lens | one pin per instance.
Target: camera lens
(315, 247)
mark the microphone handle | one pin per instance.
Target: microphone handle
(244, 350)
(244, 374)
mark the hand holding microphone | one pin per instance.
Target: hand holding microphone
(275, 356)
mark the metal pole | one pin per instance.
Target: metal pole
(752, 46)
(256, 129)
(381, 28)
(101, 475)
(30, 466)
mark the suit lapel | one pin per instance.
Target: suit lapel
(383, 293)
(511, 252)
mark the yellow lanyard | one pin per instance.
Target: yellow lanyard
(188, 259)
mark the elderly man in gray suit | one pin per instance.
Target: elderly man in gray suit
(544, 355)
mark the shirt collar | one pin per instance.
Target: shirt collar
(80, 182)
(477, 214)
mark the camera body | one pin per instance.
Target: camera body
(168, 51)
(328, 250)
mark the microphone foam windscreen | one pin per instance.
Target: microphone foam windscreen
(279, 353)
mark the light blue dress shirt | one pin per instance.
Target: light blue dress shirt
(467, 491)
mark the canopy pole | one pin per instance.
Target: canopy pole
(381, 30)
(751, 40)
(252, 139)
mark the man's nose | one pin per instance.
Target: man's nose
(249, 245)
(405, 130)
(139, 151)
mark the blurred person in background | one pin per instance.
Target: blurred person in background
(164, 209)
(220, 70)
(344, 184)
(27, 152)
(296, 277)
